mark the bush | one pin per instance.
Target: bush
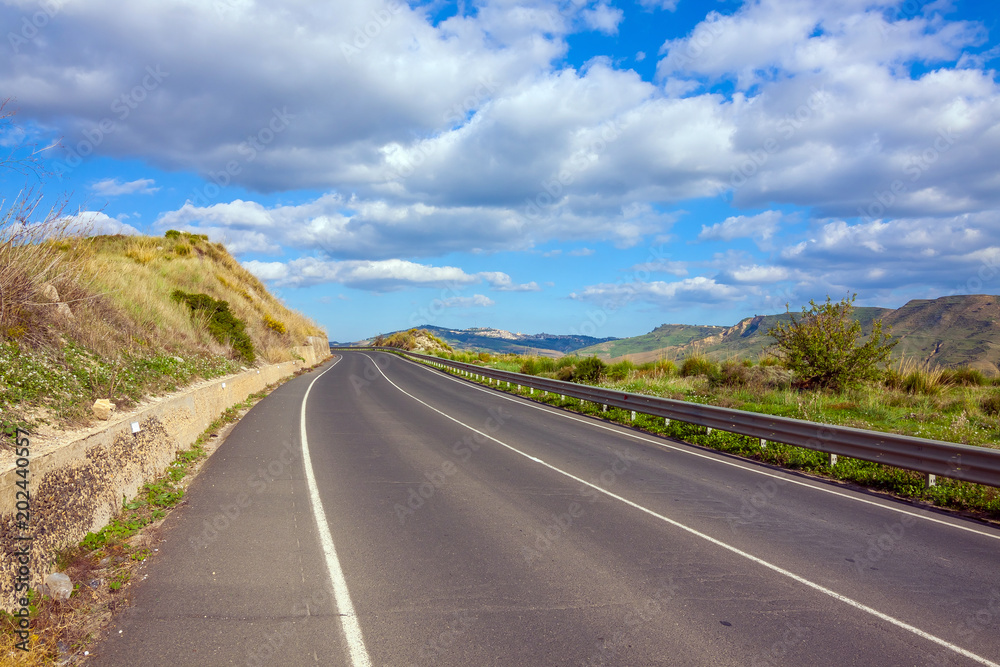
(273, 324)
(222, 324)
(990, 405)
(698, 365)
(565, 373)
(172, 234)
(921, 382)
(620, 371)
(821, 347)
(589, 370)
(965, 376)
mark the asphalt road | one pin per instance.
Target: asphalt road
(429, 521)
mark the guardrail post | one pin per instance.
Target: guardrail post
(633, 415)
(531, 391)
(562, 397)
(763, 443)
(833, 460)
(708, 429)
(604, 407)
(931, 480)
(666, 421)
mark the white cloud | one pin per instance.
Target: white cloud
(603, 18)
(761, 226)
(476, 301)
(376, 276)
(94, 223)
(502, 282)
(112, 187)
(669, 295)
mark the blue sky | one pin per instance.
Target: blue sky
(582, 166)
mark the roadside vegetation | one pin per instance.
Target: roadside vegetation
(122, 318)
(796, 379)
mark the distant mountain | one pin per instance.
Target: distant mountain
(499, 340)
(949, 331)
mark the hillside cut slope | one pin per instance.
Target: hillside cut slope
(125, 317)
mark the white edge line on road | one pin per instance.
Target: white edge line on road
(780, 570)
(348, 619)
(621, 430)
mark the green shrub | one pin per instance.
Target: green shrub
(698, 365)
(172, 234)
(821, 347)
(921, 382)
(222, 324)
(620, 371)
(965, 376)
(565, 373)
(589, 370)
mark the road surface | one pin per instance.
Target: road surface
(424, 520)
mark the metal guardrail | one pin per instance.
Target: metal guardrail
(931, 457)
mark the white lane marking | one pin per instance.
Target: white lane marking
(348, 619)
(739, 552)
(520, 400)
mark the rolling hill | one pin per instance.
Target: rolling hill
(948, 331)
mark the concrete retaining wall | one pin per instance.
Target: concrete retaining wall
(77, 486)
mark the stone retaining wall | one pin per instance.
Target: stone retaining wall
(77, 486)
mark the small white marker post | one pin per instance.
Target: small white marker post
(633, 415)
(135, 427)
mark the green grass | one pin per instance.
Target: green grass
(61, 384)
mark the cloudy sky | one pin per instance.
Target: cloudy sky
(574, 166)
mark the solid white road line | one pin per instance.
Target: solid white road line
(348, 619)
(775, 568)
(520, 400)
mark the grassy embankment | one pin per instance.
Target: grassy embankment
(954, 405)
(110, 329)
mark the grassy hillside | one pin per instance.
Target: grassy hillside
(83, 318)
(950, 331)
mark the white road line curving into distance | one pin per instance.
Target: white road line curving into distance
(342, 595)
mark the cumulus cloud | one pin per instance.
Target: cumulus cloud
(94, 223)
(761, 226)
(376, 276)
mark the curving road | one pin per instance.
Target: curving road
(423, 520)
